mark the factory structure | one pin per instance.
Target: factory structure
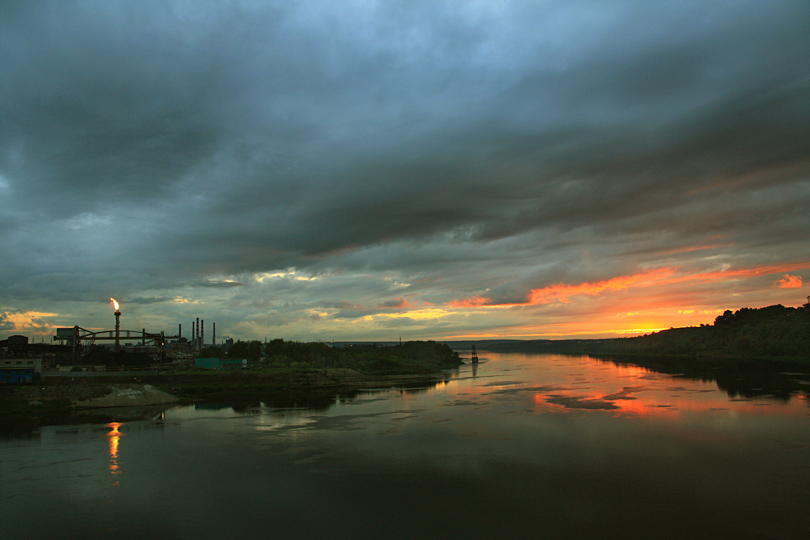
(76, 349)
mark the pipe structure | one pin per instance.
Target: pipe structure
(75, 341)
(117, 330)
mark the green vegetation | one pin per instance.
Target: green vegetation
(773, 332)
(252, 350)
(104, 356)
(413, 357)
(212, 352)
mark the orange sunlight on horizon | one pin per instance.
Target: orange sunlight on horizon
(657, 310)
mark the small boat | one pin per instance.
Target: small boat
(474, 355)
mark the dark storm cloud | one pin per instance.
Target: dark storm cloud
(161, 145)
(96, 106)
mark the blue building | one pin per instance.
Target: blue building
(14, 375)
(220, 363)
(15, 365)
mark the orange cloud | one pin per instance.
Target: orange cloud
(27, 320)
(471, 302)
(790, 282)
(562, 292)
(742, 273)
(663, 276)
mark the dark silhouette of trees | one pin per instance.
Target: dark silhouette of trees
(769, 332)
(252, 350)
(212, 352)
(409, 357)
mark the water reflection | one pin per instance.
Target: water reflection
(114, 437)
(748, 379)
(566, 384)
(550, 446)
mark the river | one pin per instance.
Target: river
(520, 446)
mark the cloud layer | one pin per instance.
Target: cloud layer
(353, 170)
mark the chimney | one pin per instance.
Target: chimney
(214, 337)
(117, 330)
(202, 334)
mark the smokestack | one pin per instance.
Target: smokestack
(202, 334)
(179, 330)
(214, 337)
(117, 330)
(198, 329)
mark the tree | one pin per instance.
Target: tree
(212, 352)
(252, 350)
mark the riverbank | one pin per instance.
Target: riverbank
(773, 333)
(83, 399)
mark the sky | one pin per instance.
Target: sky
(370, 170)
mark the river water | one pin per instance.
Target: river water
(521, 446)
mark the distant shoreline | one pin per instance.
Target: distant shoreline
(772, 333)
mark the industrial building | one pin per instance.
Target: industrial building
(15, 365)
(220, 363)
(77, 349)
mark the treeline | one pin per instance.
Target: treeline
(769, 332)
(102, 356)
(411, 357)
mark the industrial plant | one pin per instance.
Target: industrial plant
(77, 350)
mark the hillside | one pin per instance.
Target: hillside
(769, 332)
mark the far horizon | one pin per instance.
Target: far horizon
(481, 337)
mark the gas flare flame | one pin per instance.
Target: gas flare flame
(114, 303)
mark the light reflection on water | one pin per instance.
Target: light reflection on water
(114, 436)
(521, 446)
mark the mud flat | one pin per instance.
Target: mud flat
(65, 401)
(133, 395)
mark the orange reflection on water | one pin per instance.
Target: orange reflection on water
(674, 401)
(114, 436)
(559, 384)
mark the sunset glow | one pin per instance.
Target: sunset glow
(392, 267)
(659, 299)
(28, 321)
(790, 282)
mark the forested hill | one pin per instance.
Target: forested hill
(773, 332)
